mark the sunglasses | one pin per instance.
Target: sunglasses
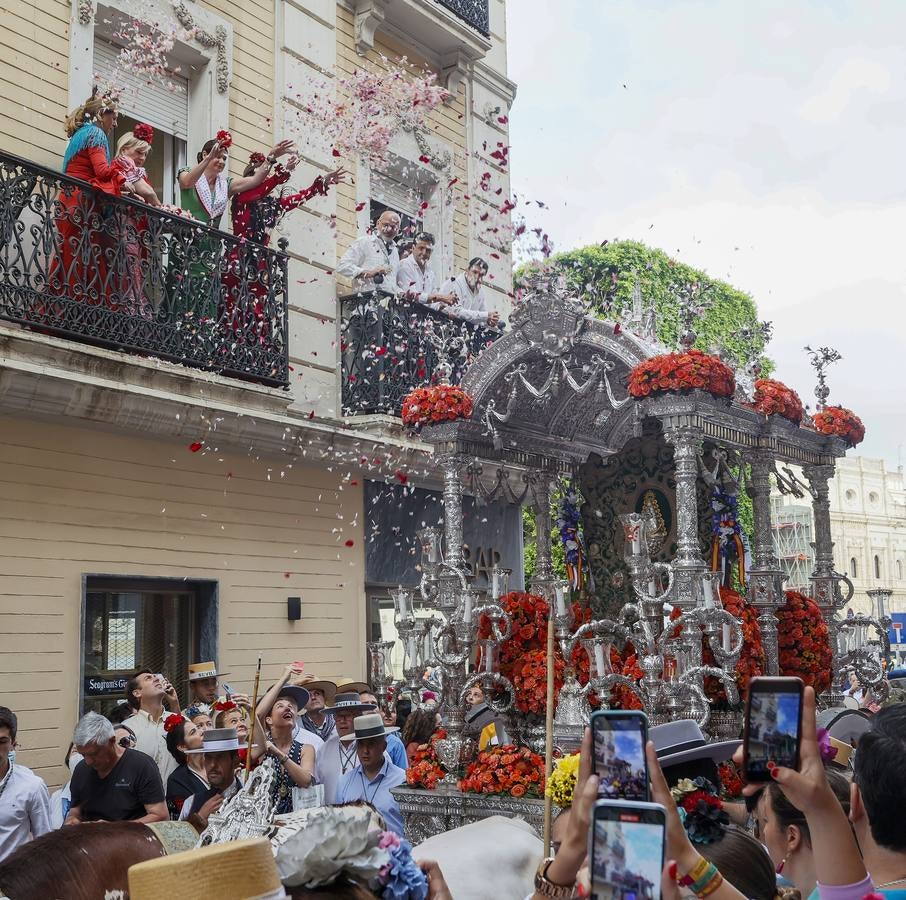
(126, 741)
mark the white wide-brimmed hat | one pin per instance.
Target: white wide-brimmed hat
(219, 740)
(368, 726)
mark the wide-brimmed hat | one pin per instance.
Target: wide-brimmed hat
(347, 685)
(349, 702)
(219, 740)
(368, 726)
(298, 694)
(683, 741)
(327, 688)
(200, 670)
(235, 870)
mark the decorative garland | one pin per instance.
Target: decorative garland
(438, 403)
(804, 642)
(682, 371)
(774, 397)
(426, 770)
(842, 422)
(509, 770)
(569, 524)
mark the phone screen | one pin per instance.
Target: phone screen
(619, 756)
(627, 856)
(773, 731)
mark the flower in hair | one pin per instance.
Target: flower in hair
(143, 132)
(700, 809)
(257, 158)
(827, 750)
(224, 706)
(224, 138)
(174, 720)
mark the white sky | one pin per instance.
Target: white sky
(761, 141)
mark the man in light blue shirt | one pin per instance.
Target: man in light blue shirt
(375, 776)
(395, 749)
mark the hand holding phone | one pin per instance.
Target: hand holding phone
(618, 741)
(626, 849)
(773, 726)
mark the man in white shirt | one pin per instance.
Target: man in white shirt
(471, 304)
(24, 801)
(417, 281)
(372, 261)
(145, 693)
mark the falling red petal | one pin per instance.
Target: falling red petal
(195, 446)
(350, 542)
(401, 477)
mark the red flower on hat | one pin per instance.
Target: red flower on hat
(143, 132)
(174, 720)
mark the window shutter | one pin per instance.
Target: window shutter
(146, 101)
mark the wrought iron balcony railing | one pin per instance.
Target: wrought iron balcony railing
(113, 272)
(472, 12)
(390, 346)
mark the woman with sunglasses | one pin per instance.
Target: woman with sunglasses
(125, 736)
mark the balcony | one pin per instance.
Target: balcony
(473, 12)
(390, 346)
(109, 271)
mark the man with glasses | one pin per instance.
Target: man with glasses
(24, 802)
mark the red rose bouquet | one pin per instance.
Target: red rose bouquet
(224, 138)
(438, 403)
(529, 677)
(509, 770)
(842, 422)
(774, 397)
(425, 770)
(528, 613)
(682, 371)
(804, 642)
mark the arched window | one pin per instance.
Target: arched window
(877, 566)
(853, 568)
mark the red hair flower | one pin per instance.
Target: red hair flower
(174, 720)
(224, 138)
(224, 706)
(143, 132)
(257, 158)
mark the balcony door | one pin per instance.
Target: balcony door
(165, 109)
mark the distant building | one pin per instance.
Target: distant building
(868, 523)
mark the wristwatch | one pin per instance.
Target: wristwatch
(547, 888)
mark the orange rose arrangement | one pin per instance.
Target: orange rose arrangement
(751, 661)
(509, 770)
(685, 371)
(842, 422)
(804, 642)
(425, 770)
(529, 678)
(438, 403)
(774, 397)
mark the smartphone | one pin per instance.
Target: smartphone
(618, 740)
(626, 850)
(773, 726)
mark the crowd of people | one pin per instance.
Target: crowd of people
(831, 830)
(381, 261)
(103, 256)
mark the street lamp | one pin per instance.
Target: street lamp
(880, 601)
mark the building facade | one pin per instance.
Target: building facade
(868, 524)
(161, 508)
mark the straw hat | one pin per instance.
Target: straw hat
(346, 685)
(368, 726)
(313, 683)
(236, 870)
(200, 670)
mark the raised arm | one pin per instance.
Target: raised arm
(189, 178)
(270, 698)
(246, 182)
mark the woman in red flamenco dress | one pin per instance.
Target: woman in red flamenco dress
(80, 270)
(255, 213)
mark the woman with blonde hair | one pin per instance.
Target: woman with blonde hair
(80, 269)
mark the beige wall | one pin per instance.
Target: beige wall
(79, 501)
